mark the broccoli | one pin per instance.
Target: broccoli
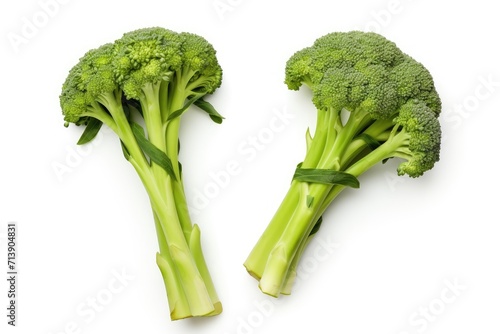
(373, 103)
(152, 76)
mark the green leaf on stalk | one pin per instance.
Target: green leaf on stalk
(310, 200)
(179, 112)
(369, 140)
(326, 176)
(90, 132)
(309, 139)
(134, 104)
(154, 153)
(125, 151)
(180, 169)
(210, 110)
(316, 226)
(126, 110)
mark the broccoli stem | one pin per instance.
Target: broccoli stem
(292, 271)
(275, 257)
(386, 150)
(322, 135)
(171, 279)
(297, 230)
(256, 260)
(172, 149)
(191, 232)
(190, 290)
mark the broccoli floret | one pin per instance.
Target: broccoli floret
(373, 103)
(90, 86)
(154, 74)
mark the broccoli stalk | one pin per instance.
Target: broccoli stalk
(373, 103)
(152, 76)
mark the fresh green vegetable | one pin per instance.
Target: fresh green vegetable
(152, 76)
(373, 103)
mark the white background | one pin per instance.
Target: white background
(387, 253)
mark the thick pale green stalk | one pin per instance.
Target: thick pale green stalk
(199, 258)
(292, 271)
(297, 229)
(187, 290)
(196, 302)
(275, 257)
(385, 151)
(257, 259)
(322, 134)
(185, 266)
(177, 99)
(177, 300)
(172, 148)
(294, 264)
